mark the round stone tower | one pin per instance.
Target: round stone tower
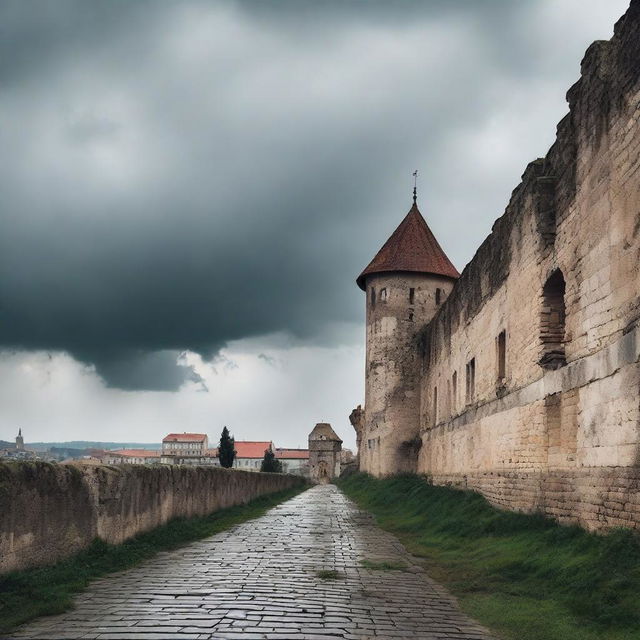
(406, 282)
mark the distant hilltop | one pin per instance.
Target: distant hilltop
(90, 444)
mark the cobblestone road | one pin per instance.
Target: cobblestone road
(261, 580)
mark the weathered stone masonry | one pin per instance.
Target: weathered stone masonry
(529, 371)
(48, 512)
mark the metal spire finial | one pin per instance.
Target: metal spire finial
(415, 183)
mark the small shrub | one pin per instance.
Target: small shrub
(328, 574)
(270, 464)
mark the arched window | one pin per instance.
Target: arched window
(552, 322)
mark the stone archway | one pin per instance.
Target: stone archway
(323, 472)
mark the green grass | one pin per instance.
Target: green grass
(524, 576)
(384, 565)
(25, 595)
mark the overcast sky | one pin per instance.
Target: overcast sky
(189, 190)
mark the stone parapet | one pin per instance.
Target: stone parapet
(49, 512)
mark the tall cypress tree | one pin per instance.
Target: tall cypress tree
(270, 464)
(226, 449)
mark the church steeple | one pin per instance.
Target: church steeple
(20, 440)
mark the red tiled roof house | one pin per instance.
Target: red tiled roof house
(249, 454)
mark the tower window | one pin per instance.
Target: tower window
(438, 295)
(412, 295)
(454, 390)
(373, 297)
(501, 346)
(471, 380)
(552, 322)
(383, 294)
(435, 405)
(410, 317)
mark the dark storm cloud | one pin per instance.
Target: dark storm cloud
(175, 175)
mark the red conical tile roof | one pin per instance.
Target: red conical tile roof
(411, 247)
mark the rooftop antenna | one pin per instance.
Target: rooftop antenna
(415, 184)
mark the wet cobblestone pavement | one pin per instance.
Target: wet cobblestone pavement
(261, 579)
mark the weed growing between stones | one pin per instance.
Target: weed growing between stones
(25, 595)
(525, 576)
(328, 574)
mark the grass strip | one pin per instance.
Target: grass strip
(384, 565)
(40, 591)
(524, 576)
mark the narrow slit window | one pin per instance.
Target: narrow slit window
(471, 380)
(502, 356)
(383, 294)
(373, 297)
(438, 295)
(454, 390)
(435, 405)
(412, 295)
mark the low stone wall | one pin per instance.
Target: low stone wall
(595, 498)
(49, 512)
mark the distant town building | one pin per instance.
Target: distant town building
(188, 448)
(249, 454)
(294, 461)
(16, 451)
(131, 456)
(185, 443)
(324, 453)
(11, 451)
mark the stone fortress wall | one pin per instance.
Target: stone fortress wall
(49, 512)
(521, 377)
(530, 374)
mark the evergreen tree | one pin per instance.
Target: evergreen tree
(270, 464)
(226, 449)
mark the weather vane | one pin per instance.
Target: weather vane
(415, 184)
